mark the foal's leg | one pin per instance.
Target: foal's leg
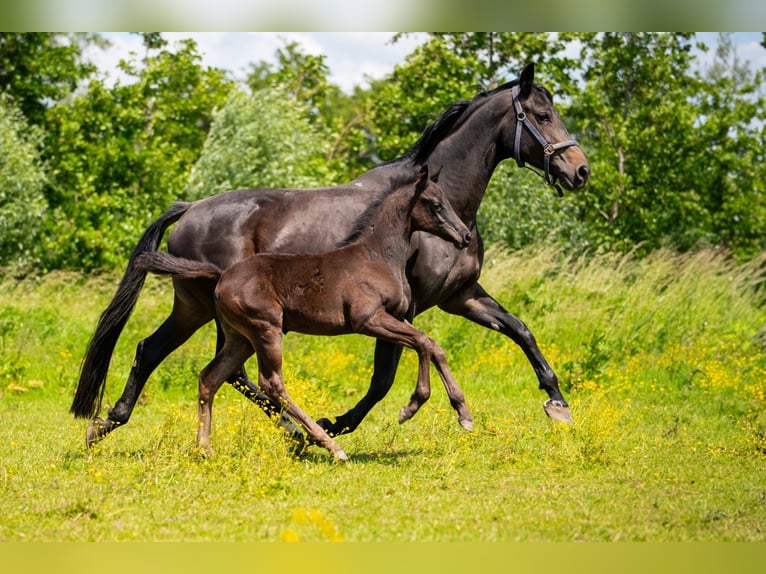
(384, 326)
(268, 344)
(227, 361)
(454, 392)
(242, 383)
(476, 304)
(386, 360)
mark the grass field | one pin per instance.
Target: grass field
(663, 361)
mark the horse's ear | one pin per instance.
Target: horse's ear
(435, 176)
(527, 79)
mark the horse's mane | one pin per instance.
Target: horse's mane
(369, 214)
(444, 125)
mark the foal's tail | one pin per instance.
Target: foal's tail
(166, 264)
(90, 389)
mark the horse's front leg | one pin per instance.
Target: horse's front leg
(385, 363)
(474, 303)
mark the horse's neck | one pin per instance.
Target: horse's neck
(466, 160)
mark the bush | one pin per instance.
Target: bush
(22, 176)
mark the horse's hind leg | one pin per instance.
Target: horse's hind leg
(173, 332)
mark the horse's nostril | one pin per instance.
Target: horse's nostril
(584, 172)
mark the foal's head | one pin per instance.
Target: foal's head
(433, 213)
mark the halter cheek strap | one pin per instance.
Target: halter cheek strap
(548, 149)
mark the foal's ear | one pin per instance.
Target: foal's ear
(527, 79)
(435, 176)
(422, 182)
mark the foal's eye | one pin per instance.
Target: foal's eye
(438, 206)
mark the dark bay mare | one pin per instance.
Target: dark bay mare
(467, 142)
(361, 287)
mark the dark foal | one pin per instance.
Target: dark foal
(360, 287)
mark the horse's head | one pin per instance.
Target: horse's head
(539, 136)
(433, 213)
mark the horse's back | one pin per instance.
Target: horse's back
(230, 226)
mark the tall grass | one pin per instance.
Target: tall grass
(663, 360)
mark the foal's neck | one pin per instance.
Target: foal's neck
(389, 233)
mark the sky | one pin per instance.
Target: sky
(351, 56)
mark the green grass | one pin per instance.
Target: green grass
(662, 360)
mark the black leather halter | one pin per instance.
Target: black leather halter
(548, 149)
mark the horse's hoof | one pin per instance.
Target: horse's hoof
(558, 411)
(97, 430)
(404, 415)
(467, 424)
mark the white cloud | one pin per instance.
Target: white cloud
(351, 56)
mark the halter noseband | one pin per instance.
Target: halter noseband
(548, 149)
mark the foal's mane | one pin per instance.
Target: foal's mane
(371, 212)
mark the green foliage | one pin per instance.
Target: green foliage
(120, 155)
(22, 177)
(38, 68)
(341, 117)
(675, 156)
(676, 149)
(418, 90)
(260, 140)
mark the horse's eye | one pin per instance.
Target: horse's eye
(438, 206)
(543, 117)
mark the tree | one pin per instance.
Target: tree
(418, 90)
(636, 117)
(260, 140)
(732, 150)
(120, 155)
(40, 68)
(675, 155)
(22, 176)
(343, 117)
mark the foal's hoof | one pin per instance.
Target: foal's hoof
(97, 430)
(404, 415)
(467, 424)
(340, 456)
(558, 411)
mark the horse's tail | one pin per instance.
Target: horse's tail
(95, 365)
(166, 264)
